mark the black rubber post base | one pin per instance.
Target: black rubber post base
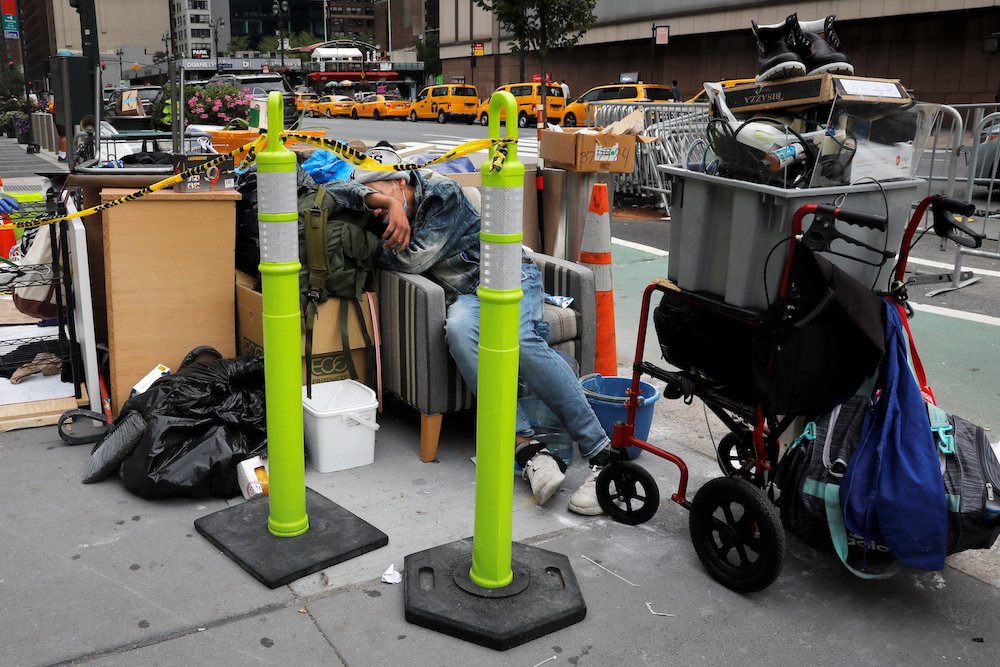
(334, 535)
(544, 596)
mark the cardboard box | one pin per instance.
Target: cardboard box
(579, 149)
(803, 91)
(328, 361)
(881, 162)
(222, 177)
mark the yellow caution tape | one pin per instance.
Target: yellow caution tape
(359, 159)
(336, 146)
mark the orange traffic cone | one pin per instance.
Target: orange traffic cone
(595, 252)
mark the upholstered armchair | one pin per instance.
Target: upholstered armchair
(416, 365)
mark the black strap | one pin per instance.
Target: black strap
(316, 261)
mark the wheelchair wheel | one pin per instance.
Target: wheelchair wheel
(734, 449)
(737, 534)
(627, 493)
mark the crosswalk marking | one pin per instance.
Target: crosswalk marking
(525, 147)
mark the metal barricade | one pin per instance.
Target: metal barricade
(961, 160)
(674, 128)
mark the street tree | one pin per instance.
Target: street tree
(541, 25)
(238, 43)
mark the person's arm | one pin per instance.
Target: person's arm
(359, 197)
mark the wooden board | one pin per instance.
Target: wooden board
(38, 413)
(168, 280)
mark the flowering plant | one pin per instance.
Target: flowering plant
(22, 126)
(217, 104)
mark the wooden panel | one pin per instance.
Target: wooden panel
(168, 278)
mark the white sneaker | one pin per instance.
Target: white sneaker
(543, 473)
(584, 499)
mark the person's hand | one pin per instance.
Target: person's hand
(8, 204)
(396, 236)
(387, 203)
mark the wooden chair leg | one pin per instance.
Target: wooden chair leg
(430, 431)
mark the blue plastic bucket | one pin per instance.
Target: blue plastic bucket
(607, 396)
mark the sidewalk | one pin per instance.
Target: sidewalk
(19, 168)
(90, 574)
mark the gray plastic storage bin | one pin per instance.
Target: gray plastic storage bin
(722, 231)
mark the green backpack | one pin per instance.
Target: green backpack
(337, 250)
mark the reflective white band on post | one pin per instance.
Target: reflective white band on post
(502, 210)
(277, 216)
(277, 192)
(279, 241)
(500, 265)
(602, 276)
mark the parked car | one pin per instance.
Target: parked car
(381, 106)
(446, 102)
(146, 96)
(576, 111)
(303, 100)
(528, 97)
(324, 105)
(259, 85)
(340, 107)
(728, 83)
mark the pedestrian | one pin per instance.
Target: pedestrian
(565, 89)
(433, 229)
(675, 91)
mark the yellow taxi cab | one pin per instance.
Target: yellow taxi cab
(576, 111)
(378, 107)
(528, 96)
(303, 100)
(452, 101)
(728, 83)
(321, 106)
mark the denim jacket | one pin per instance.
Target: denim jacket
(444, 232)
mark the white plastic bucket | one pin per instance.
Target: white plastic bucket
(339, 425)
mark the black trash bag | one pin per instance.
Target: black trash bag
(200, 423)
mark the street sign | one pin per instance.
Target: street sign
(662, 34)
(478, 49)
(11, 34)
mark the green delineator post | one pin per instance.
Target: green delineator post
(487, 589)
(279, 271)
(500, 301)
(270, 537)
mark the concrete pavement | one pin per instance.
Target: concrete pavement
(90, 574)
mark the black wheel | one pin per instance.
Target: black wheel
(627, 493)
(441, 117)
(413, 116)
(734, 450)
(569, 120)
(522, 120)
(376, 115)
(484, 120)
(736, 534)
(329, 114)
(354, 114)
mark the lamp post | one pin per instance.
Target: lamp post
(121, 68)
(215, 39)
(280, 9)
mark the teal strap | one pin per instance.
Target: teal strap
(942, 429)
(808, 433)
(830, 493)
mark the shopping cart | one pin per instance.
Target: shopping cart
(734, 363)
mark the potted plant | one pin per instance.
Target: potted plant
(22, 127)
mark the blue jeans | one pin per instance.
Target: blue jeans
(541, 368)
